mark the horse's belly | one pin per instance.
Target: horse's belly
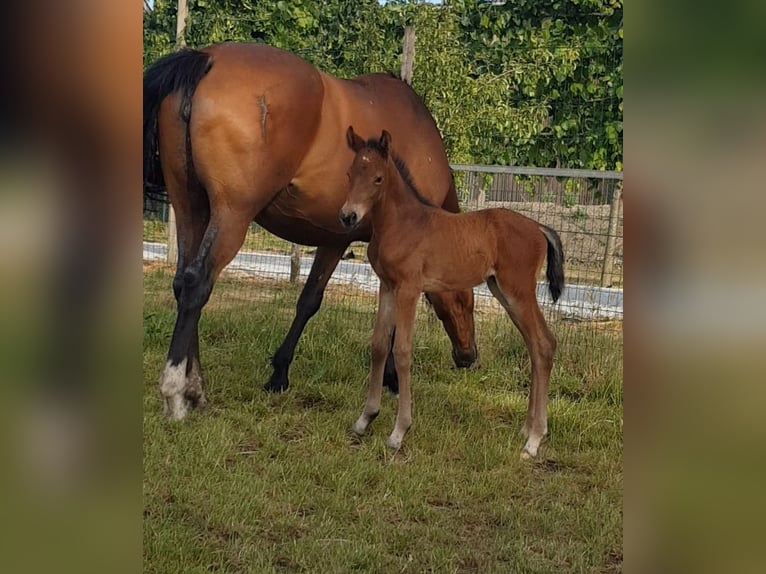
(301, 218)
(452, 282)
(460, 273)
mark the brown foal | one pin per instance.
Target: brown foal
(417, 247)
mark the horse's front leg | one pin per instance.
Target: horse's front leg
(325, 261)
(381, 342)
(406, 305)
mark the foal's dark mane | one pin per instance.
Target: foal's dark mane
(404, 171)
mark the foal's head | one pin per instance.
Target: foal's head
(367, 176)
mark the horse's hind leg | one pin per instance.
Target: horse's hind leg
(525, 313)
(192, 218)
(221, 241)
(192, 210)
(325, 261)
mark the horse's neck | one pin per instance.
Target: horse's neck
(397, 204)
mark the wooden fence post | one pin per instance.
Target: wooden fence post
(172, 251)
(295, 262)
(181, 15)
(408, 54)
(611, 238)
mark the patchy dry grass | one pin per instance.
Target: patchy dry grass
(262, 483)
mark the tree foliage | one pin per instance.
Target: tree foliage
(531, 82)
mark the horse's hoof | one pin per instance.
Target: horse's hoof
(525, 455)
(176, 407)
(394, 443)
(277, 384)
(196, 401)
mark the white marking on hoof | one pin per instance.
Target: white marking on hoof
(173, 379)
(177, 407)
(360, 426)
(395, 440)
(196, 384)
(530, 449)
(172, 385)
(525, 455)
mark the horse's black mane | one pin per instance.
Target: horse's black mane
(404, 171)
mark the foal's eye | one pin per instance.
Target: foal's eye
(378, 180)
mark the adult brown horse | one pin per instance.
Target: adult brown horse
(240, 132)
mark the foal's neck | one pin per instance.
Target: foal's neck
(397, 202)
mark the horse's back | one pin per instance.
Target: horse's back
(519, 239)
(375, 102)
(268, 136)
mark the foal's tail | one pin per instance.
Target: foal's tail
(182, 71)
(555, 270)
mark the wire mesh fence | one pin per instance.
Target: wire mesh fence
(585, 207)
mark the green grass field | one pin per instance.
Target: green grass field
(262, 483)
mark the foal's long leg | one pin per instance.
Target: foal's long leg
(222, 239)
(541, 345)
(325, 261)
(406, 305)
(379, 350)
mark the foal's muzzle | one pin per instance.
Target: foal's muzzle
(349, 220)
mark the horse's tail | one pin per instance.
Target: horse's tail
(182, 71)
(555, 270)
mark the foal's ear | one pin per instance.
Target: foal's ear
(354, 141)
(385, 142)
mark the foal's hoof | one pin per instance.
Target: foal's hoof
(362, 423)
(394, 443)
(359, 428)
(278, 383)
(530, 449)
